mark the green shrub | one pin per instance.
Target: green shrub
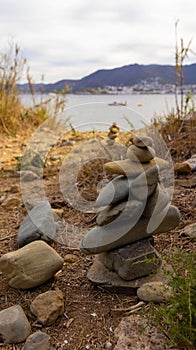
(177, 317)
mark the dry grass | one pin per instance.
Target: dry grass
(13, 116)
(180, 136)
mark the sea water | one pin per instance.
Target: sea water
(94, 112)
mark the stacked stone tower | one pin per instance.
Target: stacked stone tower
(132, 208)
(113, 133)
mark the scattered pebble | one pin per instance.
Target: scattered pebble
(108, 345)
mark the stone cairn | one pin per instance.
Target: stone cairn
(132, 208)
(113, 133)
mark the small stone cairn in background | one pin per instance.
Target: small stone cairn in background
(132, 208)
(113, 133)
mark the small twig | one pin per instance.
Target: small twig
(7, 237)
(135, 310)
(69, 322)
(66, 246)
(72, 248)
(90, 220)
(130, 308)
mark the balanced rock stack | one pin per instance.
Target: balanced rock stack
(132, 208)
(113, 132)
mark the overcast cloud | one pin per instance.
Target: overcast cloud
(70, 39)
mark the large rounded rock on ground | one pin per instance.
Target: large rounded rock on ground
(138, 154)
(31, 265)
(14, 325)
(154, 291)
(48, 306)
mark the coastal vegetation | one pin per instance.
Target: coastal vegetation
(177, 317)
(14, 117)
(11, 68)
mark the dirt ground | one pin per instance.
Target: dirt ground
(90, 318)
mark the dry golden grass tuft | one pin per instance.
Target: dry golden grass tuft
(179, 135)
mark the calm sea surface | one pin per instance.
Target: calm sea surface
(88, 112)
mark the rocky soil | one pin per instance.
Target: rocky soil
(91, 313)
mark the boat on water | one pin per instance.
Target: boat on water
(116, 103)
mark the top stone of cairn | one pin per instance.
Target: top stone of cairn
(142, 141)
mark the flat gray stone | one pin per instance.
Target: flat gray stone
(149, 177)
(118, 233)
(142, 141)
(38, 224)
(38, 341)
(143, 192)
(115, 191)
(165, 221)
(132, 261)
(28, 175)
(131, 168)
(31, 158)
(14, 325)
(31, 265)
(33, 169)
(145, 184)
(123, 187)
(140, 154)
(99, 275)
(157, 201)
(127, 210)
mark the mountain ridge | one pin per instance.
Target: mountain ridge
(127, 75)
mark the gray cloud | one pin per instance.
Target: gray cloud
(69, 39)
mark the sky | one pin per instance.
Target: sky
(69, 39)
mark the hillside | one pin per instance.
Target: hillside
(126, 75)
